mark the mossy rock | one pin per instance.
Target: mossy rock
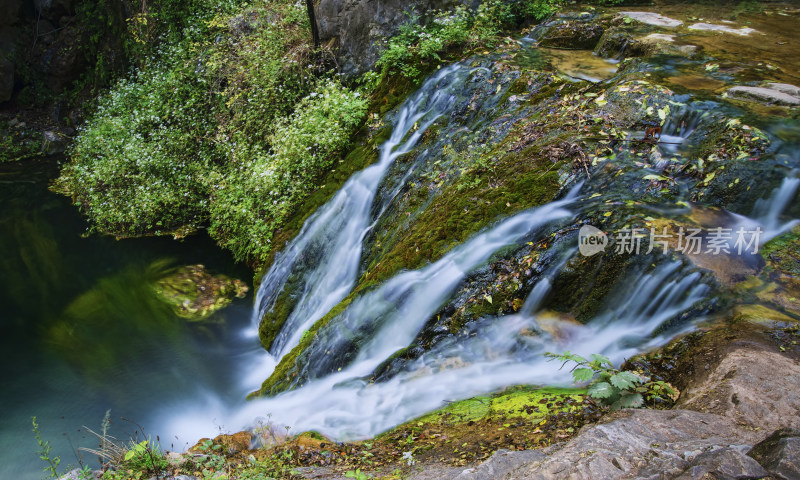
(527, 402)
(195, 294)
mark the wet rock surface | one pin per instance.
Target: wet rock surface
(572, 32)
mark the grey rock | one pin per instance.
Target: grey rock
(763, 94)
(645, 444)
(744, 387)
(780, 454)
(784, 87)
(501, 463)
(357, 27)
(711, 27)
(652, 18)
(184, 477)
(723, 463)
(619, 43)
(53, 142)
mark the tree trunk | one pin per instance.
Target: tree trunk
(313, 19)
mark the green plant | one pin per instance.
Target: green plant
(357, 474)
(418, 43)
(45, 452)
(613, 387)
(257, 196)
(85, 473)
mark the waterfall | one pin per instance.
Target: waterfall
(497, 352)
(388, 318)
(327, 251)
(333, 394)
(768, 211)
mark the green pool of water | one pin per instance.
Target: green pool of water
(82, 331)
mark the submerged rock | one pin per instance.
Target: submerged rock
(54, 142)
(195, 294)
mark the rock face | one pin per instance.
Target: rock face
(651, 444)
(571, 32)
(357, 27)
(751, 386)
(780, 454)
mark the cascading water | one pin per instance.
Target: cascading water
(499, 352)
(768, 211)
(332, 394)
(327, 251)
(388, 318)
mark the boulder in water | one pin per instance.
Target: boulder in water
(768, 93)
(195, 294)
(568, 32)
(652, 18)
(712, 27)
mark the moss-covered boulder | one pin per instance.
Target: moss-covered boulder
(195, 294)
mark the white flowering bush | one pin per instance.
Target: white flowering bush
(254, 200)
(139, 165)
(228, 128)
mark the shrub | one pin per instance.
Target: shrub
(419, 43)
(256, 197)
(613, 387)
(140, 164)
(223, 114)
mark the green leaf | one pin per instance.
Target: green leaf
(582, 374)
(602, 359)
(633, 400)
(625, 380)
(601, 390)
(659, 178)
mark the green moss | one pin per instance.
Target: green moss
(783, 252)
(526, 402)
(458, 212)
(281, 378)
